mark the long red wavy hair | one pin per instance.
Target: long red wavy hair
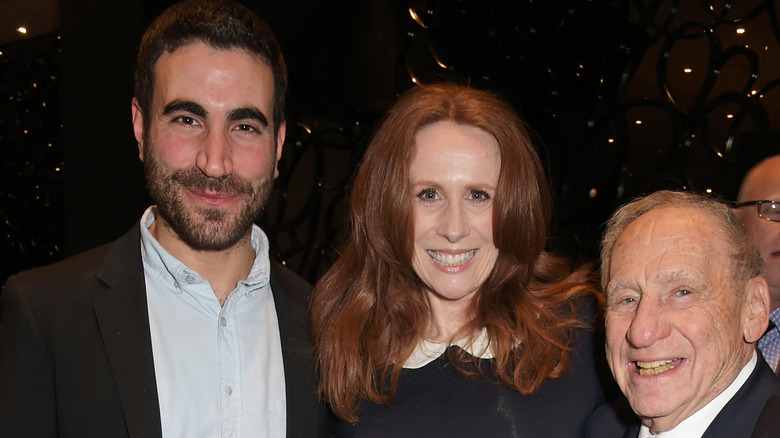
(368, 312)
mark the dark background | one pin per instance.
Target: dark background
(583, 73)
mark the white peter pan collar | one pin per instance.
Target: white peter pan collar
(427, 351)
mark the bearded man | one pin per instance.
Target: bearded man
(183, 327)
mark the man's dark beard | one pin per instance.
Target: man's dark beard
(205, 228)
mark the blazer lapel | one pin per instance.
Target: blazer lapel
(123, 318)
(306, 417)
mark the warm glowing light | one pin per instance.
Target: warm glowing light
(687, 70)
(740, 30)
(416, 18)
(638, 122)
(709, 190)
(21, 29)
(729, 116)
(753, 92)
(611, 140)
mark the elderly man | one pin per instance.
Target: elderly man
(183, 327)
(686, 303)
(758, 205)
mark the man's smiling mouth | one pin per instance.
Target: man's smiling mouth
(655, 367)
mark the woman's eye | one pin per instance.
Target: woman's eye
(427, 194)
(479, 195)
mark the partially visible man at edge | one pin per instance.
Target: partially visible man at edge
(686, 303)
(182, 327)
(758, 205)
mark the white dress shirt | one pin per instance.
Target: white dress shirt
(219, 368)
(695, 425)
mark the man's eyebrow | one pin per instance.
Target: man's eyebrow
(248, 113)
(677, 276)
(184, 106)
(616, 285)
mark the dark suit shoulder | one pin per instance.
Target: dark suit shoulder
(70, 270)
(612, 420)
(81, 272)
(768, 424)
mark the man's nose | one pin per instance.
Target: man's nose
(215, 156)
(648, 325)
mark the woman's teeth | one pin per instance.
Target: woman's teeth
(452, 259)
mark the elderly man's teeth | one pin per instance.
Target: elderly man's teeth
(452, 259)
(653, 368)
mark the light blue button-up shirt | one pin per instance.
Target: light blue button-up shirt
(219, 368)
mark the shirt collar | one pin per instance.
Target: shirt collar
(176, 274)
(697, 424)
(774, 316)
(427, 351)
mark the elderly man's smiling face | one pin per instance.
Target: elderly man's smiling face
(678, 330)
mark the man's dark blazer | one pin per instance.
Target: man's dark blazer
(76, 352)
(754, 411)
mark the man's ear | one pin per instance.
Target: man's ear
(280, 135)
(138, 126)
(757, 304)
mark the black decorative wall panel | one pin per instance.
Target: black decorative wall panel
(624, 97)
(31, 220)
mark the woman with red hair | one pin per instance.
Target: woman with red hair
(444, 315)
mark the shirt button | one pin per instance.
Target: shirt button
(223, 323)
(189, 278)
(228, 390)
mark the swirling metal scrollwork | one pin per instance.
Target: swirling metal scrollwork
(305, 214)
(618, 110)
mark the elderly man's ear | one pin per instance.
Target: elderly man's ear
(757, 318)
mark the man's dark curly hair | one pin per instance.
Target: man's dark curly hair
(222, 24)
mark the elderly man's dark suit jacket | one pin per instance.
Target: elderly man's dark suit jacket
(76, 352)
(754, 411)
